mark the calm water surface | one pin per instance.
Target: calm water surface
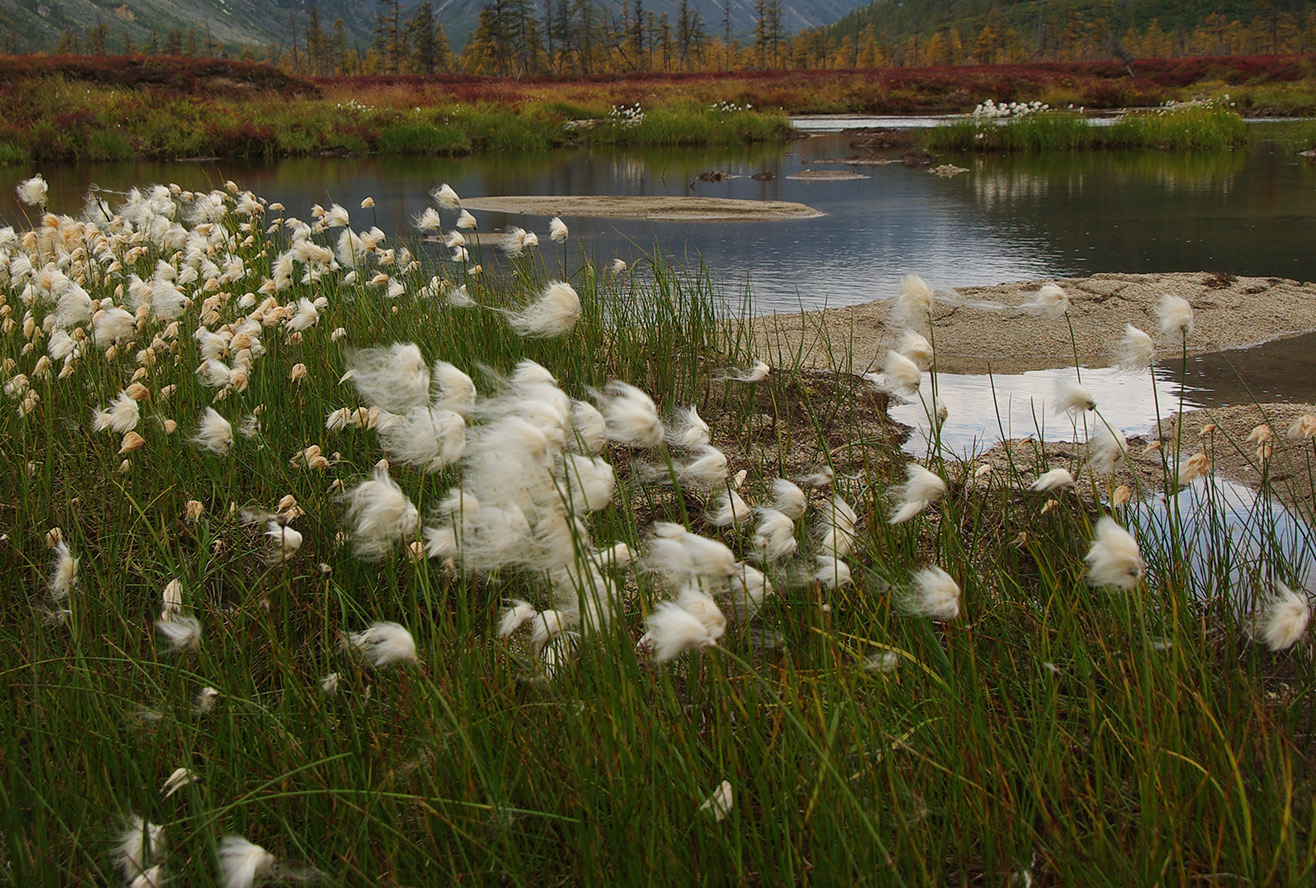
(1249, 212)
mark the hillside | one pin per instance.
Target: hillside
(38, 25)
(992, 31)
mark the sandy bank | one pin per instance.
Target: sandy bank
(673, 208)
(983, 328)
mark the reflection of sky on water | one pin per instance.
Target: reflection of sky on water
(1266, 543)
(982, 410)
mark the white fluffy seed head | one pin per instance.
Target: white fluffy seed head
(1114, 559)
(447, 198)
(241, 862)
(1072, 398)
(1055, 479)
(139, 845)
(284, 542)
(215, 433)
(1135, 351)
(630, 415)
(385, 643)
(394, 378)
(914, 304)
(1284, 619)
(774, 536)
(1105, 450)
(921, 488)
(378, 515)
(1050, 300)
(720, 802)
(555, 313)
(120, 417)
(63, 572)
(933, 593)
(557, 230)
(673, 630)
(788, 499)
(1175, 315)
(915, 346)
(730, 509)
(902, 375)
(687, 429)
(831, 572)
(182, 633)
(451, 388)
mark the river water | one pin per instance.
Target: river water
(1248, 212)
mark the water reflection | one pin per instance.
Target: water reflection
(1008, 218)
(1238, 544)
(982, 410)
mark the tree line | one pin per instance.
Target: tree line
(516, 38)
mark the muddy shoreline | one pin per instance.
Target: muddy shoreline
(985, 329)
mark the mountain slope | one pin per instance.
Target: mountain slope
(37, 25)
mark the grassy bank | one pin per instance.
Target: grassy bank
(101, 108)
(1174, 129)
(1048, 727)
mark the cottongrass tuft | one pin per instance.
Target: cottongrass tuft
(378, 515)
(121, 416)
(1135, 351)
(1175, 315)
(914, 304)
(630, 414)
(720, 802)
(900, 374)
(673, 630)
(140, 845)
(394, 378)
(555, 313)
(933, 593)
(446, 197)
(179, 778)
(759, 372)
(831, 572)
(63, 577)
(241, 861)
(1114, 559)
(686, 428)
(1106, 449)
(921, 489)
(730, 509)
(1284, 618)
(1050, 301)
(215, 433)
(1072, 398)
(774, 536)
(284, 542)
(182, 633)
(788, 499)
(915, 346)
(1055, 479)
(33, 191)
(385, 643)
(557, 230)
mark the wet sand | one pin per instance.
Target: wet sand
(673, 208)
(981, 329)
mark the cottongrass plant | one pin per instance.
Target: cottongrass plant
(528, 567)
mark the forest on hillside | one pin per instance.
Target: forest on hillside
(517, 38)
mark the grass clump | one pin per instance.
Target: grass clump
(1005, 719)
(1173, 129)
